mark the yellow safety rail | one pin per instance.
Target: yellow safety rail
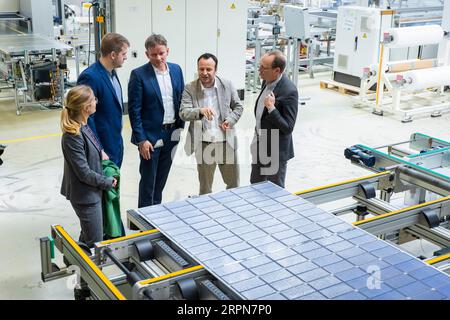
(298, 193)
(418, 206)
(131, 236)
(170, 275)
(91, 264)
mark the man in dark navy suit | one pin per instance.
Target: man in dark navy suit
(106, 122)
(154, 97)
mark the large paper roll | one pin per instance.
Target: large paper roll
(415, 36)
(405, 65)
(427, 78)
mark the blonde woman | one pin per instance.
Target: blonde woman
(83, 182)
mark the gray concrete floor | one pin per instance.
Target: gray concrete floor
(32, 171)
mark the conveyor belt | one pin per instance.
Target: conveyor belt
(17, 44)
(265, 243)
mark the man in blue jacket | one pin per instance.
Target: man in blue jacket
(154, 97)
(106, 122)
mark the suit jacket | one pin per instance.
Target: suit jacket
(106, 122)
(230, 108)
(83, 179)
(145, 105)
(282, 118)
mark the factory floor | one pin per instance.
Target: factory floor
(31, 175)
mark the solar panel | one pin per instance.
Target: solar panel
(265, 243)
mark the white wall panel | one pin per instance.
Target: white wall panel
(132, 19)
(169, 19)
(232, 40)
(9, 6)
(201, 33)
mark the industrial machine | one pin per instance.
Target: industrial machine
(394, 56)
(35, 68)
(263, 242)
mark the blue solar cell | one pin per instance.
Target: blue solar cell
(313, 275)
(411, 265)
(436, 281)
(298, 292)
(323, 283)
(266, 268)
(397, 258)
(208, 255)
(302, 267)
(276, 276)
(228, 268)
(350, 274)
(258, 292)
(271, 247)
(256, 261)
(313, 296)
(329, 241)
(378, 264)
(429, 295)
(372, 246)
(339, 246)
(244, 254)
(351, 252)
(248, 284)
(391, 295)
(359, 283)
(315, 235)
(260, 241)
(238, 276)
(351, 296)
(384, 252)
(336, 290)
(423, 272)
(286, 283)
(313, 254)
(390, 272)
(327, 260)
(298, 239)
(400, 281)
(338, 267)
(363, 239)
(275, 296)
(363, 259)
(285, 234)
(305, 247)
(281, 254)
(372, 292)
(290, 261)
(445, 290)
(413, 289)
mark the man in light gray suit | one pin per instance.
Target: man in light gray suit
(213, 107)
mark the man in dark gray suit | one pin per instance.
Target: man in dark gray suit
(276, 113)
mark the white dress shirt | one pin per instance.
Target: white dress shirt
(211, 130)
(260, 104)
(165, 86)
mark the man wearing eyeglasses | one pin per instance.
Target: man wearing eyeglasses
(276, 112)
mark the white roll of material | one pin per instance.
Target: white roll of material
(415, 36)
(427, 78)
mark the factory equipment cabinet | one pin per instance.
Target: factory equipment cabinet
(191, 28)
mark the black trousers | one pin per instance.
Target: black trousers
(261, 172)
